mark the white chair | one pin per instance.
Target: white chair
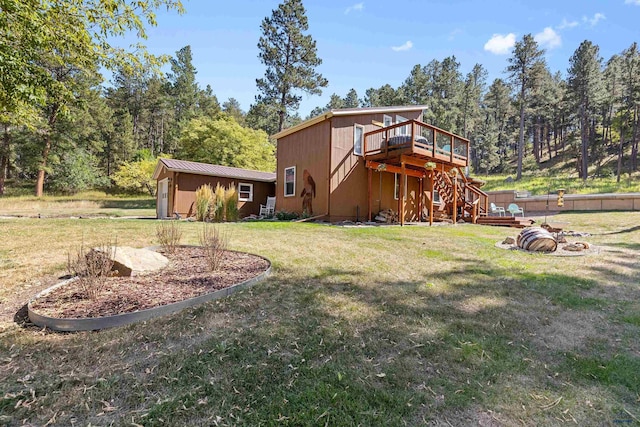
(515, 209)
(496, 209)
(269, 209)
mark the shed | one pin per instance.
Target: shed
(178, 180)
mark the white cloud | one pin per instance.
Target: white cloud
(636, 2)
(568, 24)
(408, 45)
(356, 7)
(499, 44)
(548, 38)
(594, 21)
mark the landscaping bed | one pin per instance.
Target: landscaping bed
(187, 276)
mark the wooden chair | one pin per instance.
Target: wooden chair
(493, 209)
(515, 209)
(269, 209)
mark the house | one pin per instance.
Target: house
(350, 164)
(178, 181)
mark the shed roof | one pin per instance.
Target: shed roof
(197, 168)
(347, 112)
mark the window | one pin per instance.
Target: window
(245, 192)
(290, 181)
(358, 139)
(436, 197)
(387, 120)
(396, 187)
(404, 130)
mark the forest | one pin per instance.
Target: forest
(66, 129)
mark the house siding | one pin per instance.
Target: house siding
(325, 150)
(307, 150)
(349, 174)
(182, 198)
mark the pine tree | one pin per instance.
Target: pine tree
(586, 91)
(290, 57)
(351, 99)
(524, 68)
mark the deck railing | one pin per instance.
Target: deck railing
(420, 138)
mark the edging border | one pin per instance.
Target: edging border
(96, 323)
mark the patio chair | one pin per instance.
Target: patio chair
(493, 209)
(515, 209)
(268, 209)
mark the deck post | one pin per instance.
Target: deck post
(455, 198)
(421, 193)
(401, 198)
(369, 173)
(431, 175)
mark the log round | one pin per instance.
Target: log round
(537, 239)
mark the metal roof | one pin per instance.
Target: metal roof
(347, 112)
(213, 170)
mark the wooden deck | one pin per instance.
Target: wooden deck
(505, 221)
(423, 142)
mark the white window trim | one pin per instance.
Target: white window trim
(395, 185)
(354, 140)
(435, 193)
(250, 198)
(403, 130)
(285, 182)
(384, 120)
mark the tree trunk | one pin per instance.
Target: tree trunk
(634, 142)
(521, 136)
(548, 136)
(584, 136)
(536, 139)
(46, 149)
(4, 158)
(620, 153)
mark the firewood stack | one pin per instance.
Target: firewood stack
(387, 216)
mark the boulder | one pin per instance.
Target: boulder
(128, 261)
(508, 241)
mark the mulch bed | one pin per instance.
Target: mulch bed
(186, 276)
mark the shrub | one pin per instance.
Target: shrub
(217, 211)
(214, 243)
(91, 267)
(205, 199)
(286, 216)
(169, 234)
(231, 203)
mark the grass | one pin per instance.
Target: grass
(86, 204)
(357, 326)
(541, 184)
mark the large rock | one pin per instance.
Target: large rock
(128, 261)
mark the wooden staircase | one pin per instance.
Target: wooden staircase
(470, 201)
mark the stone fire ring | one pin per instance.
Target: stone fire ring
(95, 323)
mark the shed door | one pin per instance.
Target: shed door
(163, 198)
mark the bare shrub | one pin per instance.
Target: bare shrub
(169, 234)
(91, 266)
(215, 244)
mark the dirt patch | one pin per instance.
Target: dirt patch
(561, 251)
(186, 276)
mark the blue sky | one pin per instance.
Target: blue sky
(369, 43)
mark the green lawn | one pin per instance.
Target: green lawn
(384, 326)
(541, 183)
(86, 204)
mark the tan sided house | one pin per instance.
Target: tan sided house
(350, 164)
(178, 181)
